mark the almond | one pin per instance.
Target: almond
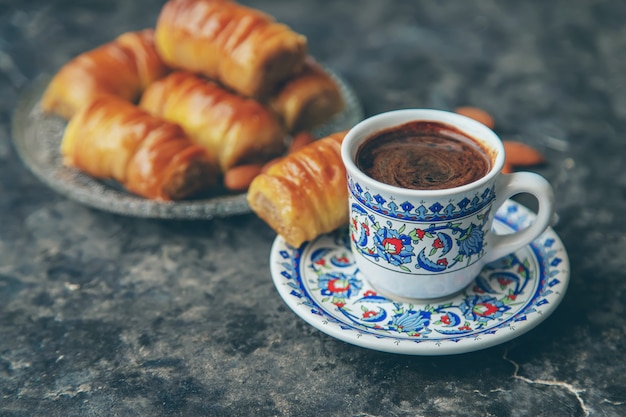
(239, 178)
(477, 114)
(507, 168)
(299, 141)
(521, 154)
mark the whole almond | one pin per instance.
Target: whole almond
(521, 154)
(300, 140)
(477, 114)
(507, 168)
(239, 178)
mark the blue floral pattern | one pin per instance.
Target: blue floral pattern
(409, 246)
(321, 280)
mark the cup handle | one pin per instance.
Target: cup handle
(509, 185)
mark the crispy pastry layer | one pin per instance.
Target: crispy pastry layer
(305, 194)
(236, 130)
(122, 68)
(240, 47)
(111, 138)
(307, 99)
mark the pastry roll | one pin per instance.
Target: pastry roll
(305, 194)
(307, 99)
(111, 138)
(123, 68)
(236, 130)
(241, 47)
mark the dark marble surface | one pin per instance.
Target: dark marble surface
(104, 315)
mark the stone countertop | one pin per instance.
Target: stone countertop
(107, 315)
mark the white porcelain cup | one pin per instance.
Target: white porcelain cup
(432, 243)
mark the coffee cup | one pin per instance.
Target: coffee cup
(424, 186)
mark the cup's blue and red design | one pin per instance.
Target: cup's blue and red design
(436, 238)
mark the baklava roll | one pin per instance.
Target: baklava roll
(305, 194)
(122, 67)
(241, 47)
(235, 129)
(110, 138)
(307, 99)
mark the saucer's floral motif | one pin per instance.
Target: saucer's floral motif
(410, 321)
(490, 299)
(323, 277)
(338, 287)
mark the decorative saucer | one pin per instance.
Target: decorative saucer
(320, 283)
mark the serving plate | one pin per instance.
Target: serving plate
(37, 138)
(322, 285)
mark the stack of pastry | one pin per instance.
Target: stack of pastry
(168, 111)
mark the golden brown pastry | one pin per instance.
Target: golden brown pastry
(307, 99)
(236, 130)
(240, 47)
(305, 194)
(123, 68)
(111, 138)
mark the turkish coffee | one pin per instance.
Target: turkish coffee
(423, 155)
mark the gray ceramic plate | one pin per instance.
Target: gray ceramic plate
(37, 138)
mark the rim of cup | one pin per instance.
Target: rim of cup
(374, 124)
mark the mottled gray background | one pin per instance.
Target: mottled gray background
(104, 315)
